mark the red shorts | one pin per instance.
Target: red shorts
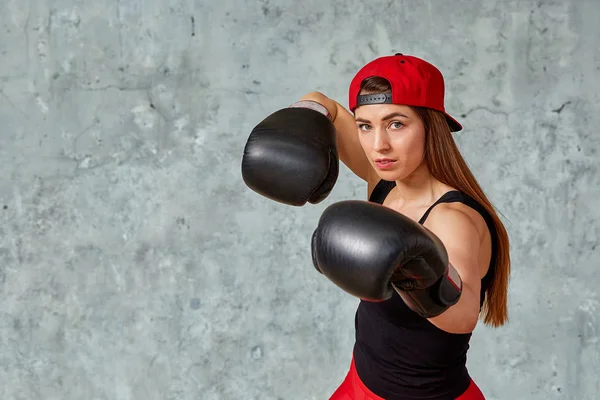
(354, 389)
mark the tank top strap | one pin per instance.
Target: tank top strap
(381, 190)
(448, 197)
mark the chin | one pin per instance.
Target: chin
(389, 175)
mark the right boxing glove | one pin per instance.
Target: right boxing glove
(369, 251)
(291, 156)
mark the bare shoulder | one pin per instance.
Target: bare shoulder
(466, 236)
(456, 219)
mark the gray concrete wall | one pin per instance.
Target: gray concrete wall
(134, 263)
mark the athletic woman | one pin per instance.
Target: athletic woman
(425, 252)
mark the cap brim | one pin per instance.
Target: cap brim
(454, 125)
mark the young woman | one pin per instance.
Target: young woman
(427, 254)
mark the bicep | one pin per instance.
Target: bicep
(462, 242)
(460, 237)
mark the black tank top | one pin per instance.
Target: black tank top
(400, 355)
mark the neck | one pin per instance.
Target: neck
(419, 188)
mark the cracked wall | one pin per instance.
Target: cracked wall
(134, 263)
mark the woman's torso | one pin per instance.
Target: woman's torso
(397, 351)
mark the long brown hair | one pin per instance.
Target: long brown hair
(446, 164)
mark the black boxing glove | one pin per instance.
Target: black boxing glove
(291, 156)
(369, 250)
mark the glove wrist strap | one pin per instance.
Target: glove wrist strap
(313, 105)
(454, 277)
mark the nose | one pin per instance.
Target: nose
(381, 141)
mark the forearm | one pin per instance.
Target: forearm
(329, 104)
(341, 118)
(462, 316)
(349, 148)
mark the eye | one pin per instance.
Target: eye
(396, 125)
(364, 127)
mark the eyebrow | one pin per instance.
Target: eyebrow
(389, 116)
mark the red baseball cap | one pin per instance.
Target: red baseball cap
(414, 81)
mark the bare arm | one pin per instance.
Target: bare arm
(349, 149)
(460, 236)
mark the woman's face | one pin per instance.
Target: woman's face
(392, 137)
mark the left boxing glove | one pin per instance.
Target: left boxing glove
(369, 250)
(291, 156)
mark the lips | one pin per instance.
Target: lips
(384, 163)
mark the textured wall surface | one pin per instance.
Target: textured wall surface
(134, 263)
